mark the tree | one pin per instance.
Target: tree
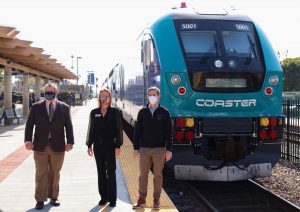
(291, 74)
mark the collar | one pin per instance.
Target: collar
(54, 102)
(108, 108)
(152, 110)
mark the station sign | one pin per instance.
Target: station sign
(91, 78)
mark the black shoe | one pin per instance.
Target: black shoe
(112, 204)
(39, 205)
(102, 202)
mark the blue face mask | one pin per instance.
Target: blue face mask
(49, 95)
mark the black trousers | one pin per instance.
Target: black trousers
(106, 167)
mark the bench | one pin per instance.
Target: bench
(1, 114)
(18, 114)
(10, 115)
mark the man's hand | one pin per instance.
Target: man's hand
(117, 152)
(136, 154)
(68, 147)
(90, 152)
(28, 145)
(168, 155)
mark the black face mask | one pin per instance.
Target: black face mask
(49, 95)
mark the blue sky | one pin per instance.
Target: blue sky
(101, 31)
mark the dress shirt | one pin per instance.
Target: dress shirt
(48, 103)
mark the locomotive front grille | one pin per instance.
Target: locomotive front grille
(227, 125)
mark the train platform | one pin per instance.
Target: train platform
(78, 184)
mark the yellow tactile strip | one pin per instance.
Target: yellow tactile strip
(130, 169)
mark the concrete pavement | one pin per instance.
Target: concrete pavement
(78, 184)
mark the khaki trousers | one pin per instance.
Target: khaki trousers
(47, 165)
(149, 156)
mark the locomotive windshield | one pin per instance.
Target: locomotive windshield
(191, 41)
(221, 56)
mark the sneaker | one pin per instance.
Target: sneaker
(140, 203)
(156, 204)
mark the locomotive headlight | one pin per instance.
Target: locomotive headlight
(263, 122)
(273, 80)
(175, 79)
(189, 122)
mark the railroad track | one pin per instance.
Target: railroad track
(238, 196)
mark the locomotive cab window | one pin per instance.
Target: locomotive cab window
(199, 43)
(239, 44)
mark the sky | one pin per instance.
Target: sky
(100, 32)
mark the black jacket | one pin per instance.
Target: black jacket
(153, 131)
(105, 130)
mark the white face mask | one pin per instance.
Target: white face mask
(152, 99)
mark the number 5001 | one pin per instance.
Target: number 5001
(188, 26)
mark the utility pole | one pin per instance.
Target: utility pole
(77, 67)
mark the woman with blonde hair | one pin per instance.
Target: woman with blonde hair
(104, 138)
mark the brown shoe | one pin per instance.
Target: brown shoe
(39, 205)
(55, 202)
(140, 203)
(156, 204)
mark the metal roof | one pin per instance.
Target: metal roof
(18, 54)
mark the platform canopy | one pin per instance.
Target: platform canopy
(18, 54)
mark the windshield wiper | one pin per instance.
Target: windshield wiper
(251, 51)
(210, 51)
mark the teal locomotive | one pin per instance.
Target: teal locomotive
(222, 83)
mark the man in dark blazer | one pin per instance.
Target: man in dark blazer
(52, 121)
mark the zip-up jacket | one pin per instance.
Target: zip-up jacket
(153, 130)
(105, 130)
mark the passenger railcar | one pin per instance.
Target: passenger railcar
(222, 83)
